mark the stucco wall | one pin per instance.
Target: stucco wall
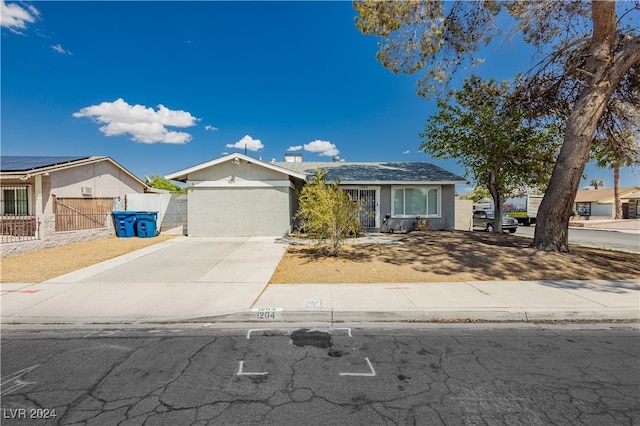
(104, 178)
(464, 215)
(171, 208)
(244, 171)
(245, 199)
(239, 211)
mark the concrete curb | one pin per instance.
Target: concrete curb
(356, 317)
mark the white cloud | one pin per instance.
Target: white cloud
(247, 142)
(14, 17)
(295, 148)
(407, 152)
(210, 128)
(323, 148)
(58, 48)
(144, 124)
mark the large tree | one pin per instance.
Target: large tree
(495, 143)
(590, 51)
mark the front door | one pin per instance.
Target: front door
(367, 197)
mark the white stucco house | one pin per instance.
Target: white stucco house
(600, 203)
(237, 195)
(54, 200)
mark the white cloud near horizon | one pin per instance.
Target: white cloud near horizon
(144, 124)
(294, 148)
(58, 48)
(322, 148)
(247, 142)
(15, 18)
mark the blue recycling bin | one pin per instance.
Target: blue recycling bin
(125, 223)
(146, 224)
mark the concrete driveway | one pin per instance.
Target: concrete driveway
(183, 278)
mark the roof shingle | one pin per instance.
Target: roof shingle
(376, 171)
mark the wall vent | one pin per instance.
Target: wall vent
(87, 190)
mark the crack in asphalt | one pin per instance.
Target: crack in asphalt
(192, 381)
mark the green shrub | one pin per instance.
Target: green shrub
(327, 212)
(420, 224)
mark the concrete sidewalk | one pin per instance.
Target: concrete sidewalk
(226, 280)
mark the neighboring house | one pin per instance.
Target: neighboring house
(634, 205)
(591, 203)
(49, 201)
(239, 195)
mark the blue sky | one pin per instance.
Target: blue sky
(161, 86)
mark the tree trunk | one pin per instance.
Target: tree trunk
(616, 191)
(498, 200)
(606, 66)
(552, 223)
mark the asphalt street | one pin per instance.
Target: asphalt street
(434, 375)
(597, 238)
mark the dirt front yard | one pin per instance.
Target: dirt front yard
(432, 256)
(441, 256)
(42, 265)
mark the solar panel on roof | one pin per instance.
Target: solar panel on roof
(19, 163)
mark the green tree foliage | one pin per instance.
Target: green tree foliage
(328, 212)
(587, 53)
(477, 194)
(159, 182)
(492, 140)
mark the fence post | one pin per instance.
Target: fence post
(39, 231)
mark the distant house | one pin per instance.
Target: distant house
(592, 203)
(634, 205)
(49, 201)
(237, 195)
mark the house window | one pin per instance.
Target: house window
(637, 208)
(15, 200)
(584, 209)
(416, 201)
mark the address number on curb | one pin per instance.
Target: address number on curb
(267, 313)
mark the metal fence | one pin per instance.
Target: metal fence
(73, 214)
(16, 224)
(17, 228)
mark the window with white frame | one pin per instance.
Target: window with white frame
(14, 200)
(637, 208)
(416, 201)
(584, 209)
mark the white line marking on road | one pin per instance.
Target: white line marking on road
(256, 329)
(345, 328)
(242, 373)
(13, 382)
(372, 374)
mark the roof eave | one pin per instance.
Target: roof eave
(182, 175)
(401, 182)
(26, 174)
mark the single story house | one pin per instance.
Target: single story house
(591, 203)
(237, 195)
(634, 205)
(54, 200)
